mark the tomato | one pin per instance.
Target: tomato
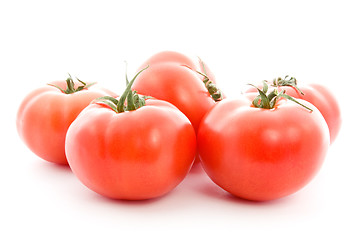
(320, 96)
(46, 113)
(174, 77)
(134, 153)
(262, 154)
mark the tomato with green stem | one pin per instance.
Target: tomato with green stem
(318, 95)
(130, 148)
(179, 84)
(263, 147)
(46, 113)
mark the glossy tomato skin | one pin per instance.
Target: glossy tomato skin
(177, 85)
(134, 155)
(45, 115)
(323, 99)
(179, 59)
(260, 154)
(170, 57)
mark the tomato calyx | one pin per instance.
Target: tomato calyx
(268, 101)
(213, 90)
(71, 86)
(133, 100)
(286, 81)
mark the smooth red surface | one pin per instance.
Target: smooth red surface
(133, 155)
(180, 60)
(177, 85)
(260, 154)
(171, 57)
(45, 115)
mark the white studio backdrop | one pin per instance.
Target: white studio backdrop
(242, 42)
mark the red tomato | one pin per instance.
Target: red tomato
(138, 154)
(262, 154)
(45, 115)
(323, 99)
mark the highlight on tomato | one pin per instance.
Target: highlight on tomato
(131, 148)
(198, 65)
(318, 95)
(46, 113)
(263, 146)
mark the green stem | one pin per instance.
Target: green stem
(269, 101)
(294, 100)
(134, 101)
(130, 102)
(292, 82)
(213, 90)
(121, 104)
(70, 86)
(264, 100)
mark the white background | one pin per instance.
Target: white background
(242, 41)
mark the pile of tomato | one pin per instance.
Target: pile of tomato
(267, 143)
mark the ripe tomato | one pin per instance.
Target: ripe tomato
(174, 77)
(133, 153)
(262, 154)
(46, 113)
(320, 96)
